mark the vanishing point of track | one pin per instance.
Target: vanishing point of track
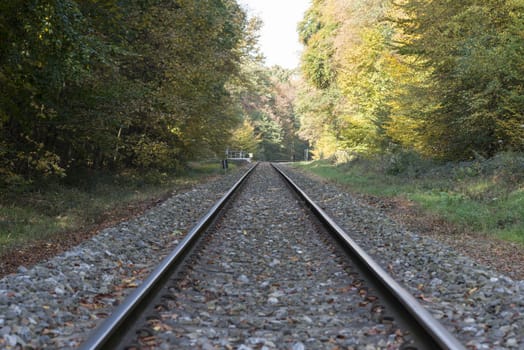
(266, 268)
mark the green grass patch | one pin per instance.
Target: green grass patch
(208, 168)
(40, 212)
(485, 196)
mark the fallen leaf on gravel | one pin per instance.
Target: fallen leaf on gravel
(148, 341)
(97, 298)
(129, 283)
(346, 289)
(88, 305)
(159, 326)
(471, 291)
(372, 331)
(423, 297)
(143, 271)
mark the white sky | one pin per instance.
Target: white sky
(278, 37)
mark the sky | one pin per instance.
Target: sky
(278, 37)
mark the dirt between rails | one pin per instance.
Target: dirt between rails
(502, 256)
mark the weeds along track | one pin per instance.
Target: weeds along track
(267, 274)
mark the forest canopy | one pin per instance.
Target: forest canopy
(151, 84)
(444, 79)
(106, 84)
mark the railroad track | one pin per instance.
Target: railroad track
(266, 268)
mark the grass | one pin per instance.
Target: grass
(485, 196)
(58, 208)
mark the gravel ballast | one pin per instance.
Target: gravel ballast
(267, 279)
(483, 308)
(56, 304)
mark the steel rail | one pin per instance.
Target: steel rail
(112, 329)
(434, 329)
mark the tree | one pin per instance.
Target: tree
(244, 138)
(349, 103)
(266, 98)
(109, 84)
(45, 52)
(315, 32)
(443, 78)
(469, 50)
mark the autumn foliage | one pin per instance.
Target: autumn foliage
(109, 84)
(440, 78)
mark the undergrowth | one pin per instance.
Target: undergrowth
(38, 212)
(483, 195)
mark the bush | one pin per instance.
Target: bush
(344, 157)
(408, 163)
